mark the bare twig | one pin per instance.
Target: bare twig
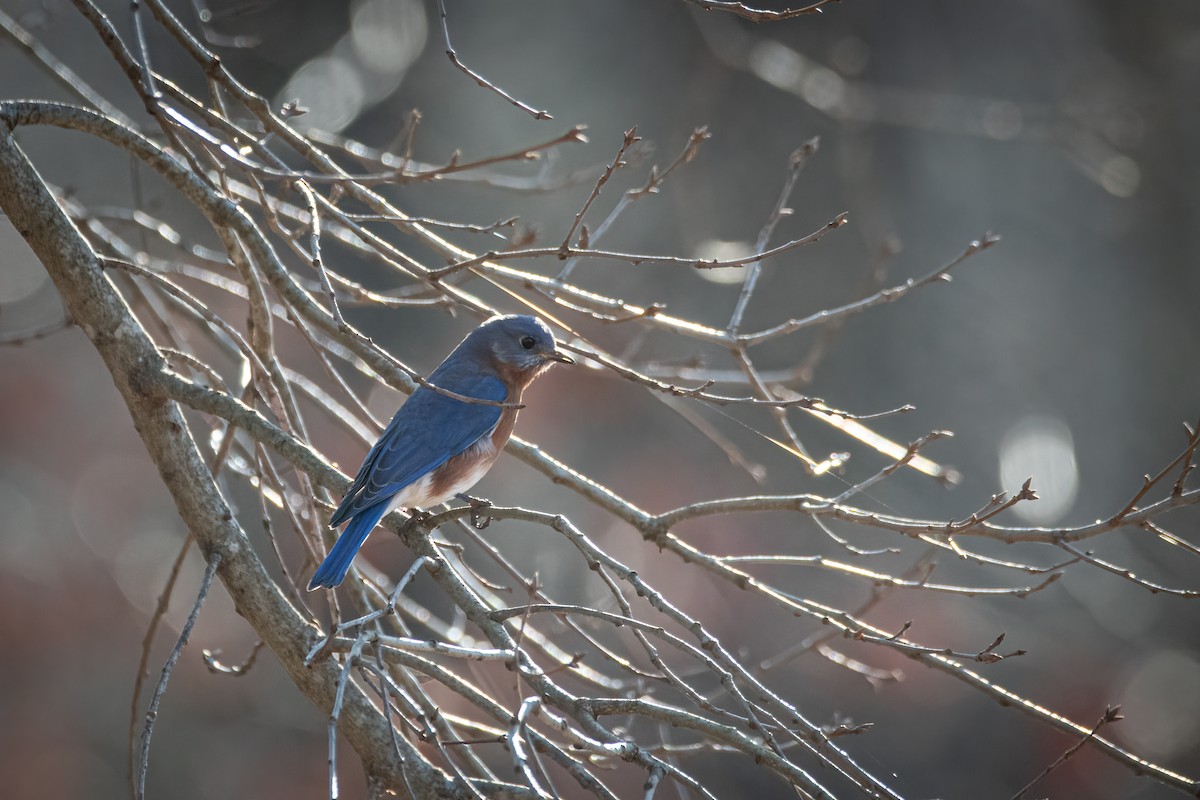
(889, 295)
(634, 258)
(1111, 714)
(631, 138)
(796, 163)
(214, 561)
(160, 610)
(35, 332)
(761, 15)
(1185, 461)
(214, 664)
(479, 79)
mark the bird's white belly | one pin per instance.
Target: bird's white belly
(415, 495)
(422, 493)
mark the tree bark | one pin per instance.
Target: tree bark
(136, 367)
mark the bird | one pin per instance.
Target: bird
(440, 443)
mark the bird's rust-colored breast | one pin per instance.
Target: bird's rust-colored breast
(464, 470)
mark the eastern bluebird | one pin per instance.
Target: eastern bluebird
(437, 446)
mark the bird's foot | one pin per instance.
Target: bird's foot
(418, 518)
(476, 504)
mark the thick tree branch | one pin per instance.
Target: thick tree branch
(133, 360)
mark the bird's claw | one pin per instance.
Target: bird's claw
(476, 504)
(418, 518)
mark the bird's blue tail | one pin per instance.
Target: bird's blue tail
(335, 566)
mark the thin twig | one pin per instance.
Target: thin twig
(479, 79)
(33, 333)
(314, 249)
(210, 571)
(890, 295)
(654, 182)
(635, 259)
(1111, 714)
(1184, 460)
(758, 14)
(631, 138)
(160, 610)
(796, 163)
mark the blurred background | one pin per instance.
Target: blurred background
(1068, 353)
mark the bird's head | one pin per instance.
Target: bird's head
(520, 342)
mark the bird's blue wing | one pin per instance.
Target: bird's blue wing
(428, 430)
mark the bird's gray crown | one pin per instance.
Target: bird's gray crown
(519, 340)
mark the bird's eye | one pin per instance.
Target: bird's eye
(527, 342)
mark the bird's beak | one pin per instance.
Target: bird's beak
(559, 356)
